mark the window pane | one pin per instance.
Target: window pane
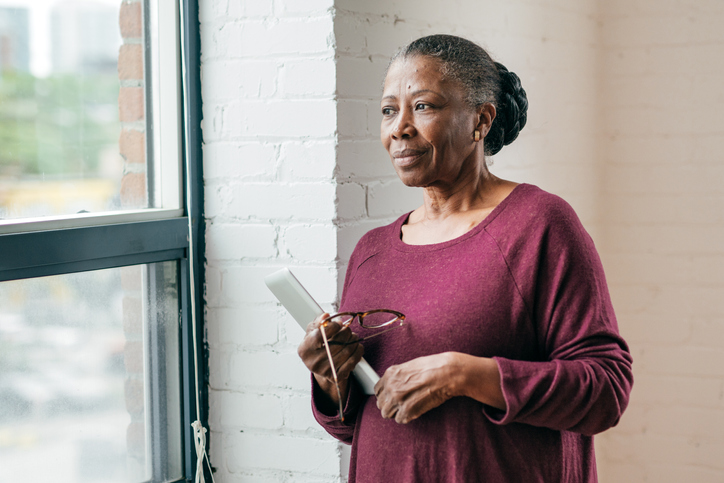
(74, 92)
(89, 376)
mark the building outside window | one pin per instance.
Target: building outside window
(96, 335)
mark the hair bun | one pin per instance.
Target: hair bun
(512, 113)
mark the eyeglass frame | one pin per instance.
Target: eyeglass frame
(359, 316)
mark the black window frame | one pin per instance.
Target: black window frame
(42, 253)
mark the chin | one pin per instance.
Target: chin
(412, 182)
(414, 177)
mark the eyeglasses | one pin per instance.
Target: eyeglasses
(373, 319)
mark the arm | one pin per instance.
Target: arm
(583, 381)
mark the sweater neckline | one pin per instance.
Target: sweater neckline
(402, 246)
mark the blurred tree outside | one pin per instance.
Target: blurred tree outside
(56, 127)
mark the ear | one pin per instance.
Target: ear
(486, 114)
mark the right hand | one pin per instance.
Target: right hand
(313, 354)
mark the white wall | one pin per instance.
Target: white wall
(270, 127)
(624, 123)
(662, 207)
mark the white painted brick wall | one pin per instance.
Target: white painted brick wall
(663, 234)
(270, 127)
(624, 123)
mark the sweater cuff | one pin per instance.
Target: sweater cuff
(499, 416)
(350, 409)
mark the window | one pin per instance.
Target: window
(100, 209)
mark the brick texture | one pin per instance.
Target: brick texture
(623, 123)
(131, 19)
(130, 62)
(131, 106)
(132, 145)
(270, 123)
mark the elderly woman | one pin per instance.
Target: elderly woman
(509, 360)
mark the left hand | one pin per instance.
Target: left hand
(407, 391)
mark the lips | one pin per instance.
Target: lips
(406, 157)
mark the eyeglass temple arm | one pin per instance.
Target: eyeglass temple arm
(334, 371)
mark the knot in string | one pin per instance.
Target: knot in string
(200, 443)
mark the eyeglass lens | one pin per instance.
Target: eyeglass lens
(370, 320)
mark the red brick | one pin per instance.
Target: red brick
(132, 145)
(130, 62)
(130, 20)
(130, 104)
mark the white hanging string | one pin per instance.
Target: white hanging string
(199, 430)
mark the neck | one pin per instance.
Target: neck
(470, 192)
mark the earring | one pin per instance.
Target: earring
(476, 135)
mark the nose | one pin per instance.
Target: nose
(404, 126)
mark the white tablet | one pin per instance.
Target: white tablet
(295, 298)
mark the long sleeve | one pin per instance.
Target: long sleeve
(583, 380)
(331, 423)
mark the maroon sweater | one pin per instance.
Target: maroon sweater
(525, 287)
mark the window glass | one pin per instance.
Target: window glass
(89, 376)
(76, 83)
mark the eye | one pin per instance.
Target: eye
(421, 106)
(387, 111)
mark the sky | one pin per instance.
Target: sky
(40, 29)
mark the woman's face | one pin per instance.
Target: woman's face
(427, 127)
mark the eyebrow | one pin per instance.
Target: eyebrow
(414, 93)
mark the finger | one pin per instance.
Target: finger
(343, 344)
(315, 357)
(383, 382)
(344, 358)
(386, 402)
(343, 338)
(387, 408)
(380, 386)
(345, 367)
(321, 367)
(331, 329)
(420, 402)
(313, 339)
(345, 334)
(316, 323)
(406, 411)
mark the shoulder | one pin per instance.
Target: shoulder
(541, 203)
(530, 209)
(372, 243)
(534, 220)
(375, 241)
